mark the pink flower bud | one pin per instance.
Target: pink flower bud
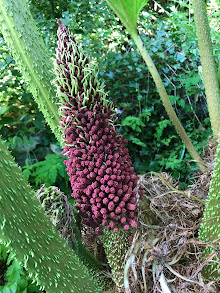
(122, 204)
(107, 189)
(104, 222)
(111, 196)
(123, 220)
(103, 211)
(101, 194)
(118, 210)
(116, 199)
(133, 223)
(112, 215)
(111, 206)
(106, 177)
(120, 192)
(126, 197)
(108, 171)
(131, 207)
(126, 227)
(105, 201)
(112, 225)
(112, 190)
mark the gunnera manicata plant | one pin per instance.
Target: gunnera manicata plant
(103, 182)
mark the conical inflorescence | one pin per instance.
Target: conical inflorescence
(103, 182)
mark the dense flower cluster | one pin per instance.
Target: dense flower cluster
(103, 182)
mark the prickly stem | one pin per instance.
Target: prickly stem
(30, 53)
(29, 233)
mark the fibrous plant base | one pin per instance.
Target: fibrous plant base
(173, 257)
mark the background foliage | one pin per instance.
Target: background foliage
(168, 32)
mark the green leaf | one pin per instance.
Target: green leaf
(127, 11)
(6, 290)
(53, 174)
(138, 142)
(4, 110)
(161, 126)
(3, 252)
(173, 99)
(166, 141)
(27, 174)
(133, 122)
(62, 169)
(182, 103)
(14, 272)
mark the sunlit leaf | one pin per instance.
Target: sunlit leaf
(127, 11)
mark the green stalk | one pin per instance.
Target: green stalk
(116, 246)
(30, 53)
(210, 226)
(209, 68)
(166, 102)
(26, 230)
(219, 73)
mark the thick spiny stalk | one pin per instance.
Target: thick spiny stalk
(209, 68)
(31, 55)
(116, 246)
(210, 227)
(26, 230)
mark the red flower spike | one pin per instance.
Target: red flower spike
(102, 179)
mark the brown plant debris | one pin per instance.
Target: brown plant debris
(166, 255)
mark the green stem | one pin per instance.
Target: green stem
(116, 245)
(210, 227)
(26, 230)
(30, 53)
(219, 73)
(209, 70)
(166, 102)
